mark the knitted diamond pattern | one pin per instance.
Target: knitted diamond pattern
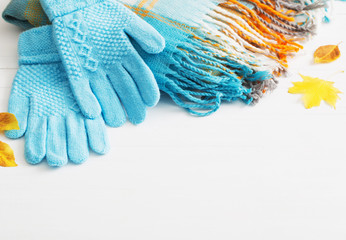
(93, 34)
(51, 97)
(106, 23)
(72, 66)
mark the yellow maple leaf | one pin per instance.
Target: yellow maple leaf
(315, 90)
(8, 122)
(6, 156)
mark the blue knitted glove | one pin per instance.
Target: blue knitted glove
(103, 67)
(44, 105)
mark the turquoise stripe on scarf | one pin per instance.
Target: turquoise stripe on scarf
(14, 13)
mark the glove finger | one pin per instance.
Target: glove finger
(19, 106)
(35, 139)
(143, 77)
(85, 98)
(128, 94)
(97, 135)
(77, 142)
(146, 36)
(112, 110)
(56, 142)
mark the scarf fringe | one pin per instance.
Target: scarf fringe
(261, 29)
(199, 74)
(234, 52)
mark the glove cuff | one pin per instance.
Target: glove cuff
(36, 46)
(59, 8)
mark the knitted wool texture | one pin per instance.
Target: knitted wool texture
(25, 14)
(223, 50)
(46, 110)
(35, 14)
(104, 69)
(15, 13)
(266, 29)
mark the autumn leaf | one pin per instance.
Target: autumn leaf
(315, 90)
(327, 54)
(6, 156)
(8, 122)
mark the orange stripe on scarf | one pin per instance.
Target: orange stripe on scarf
(141, 4)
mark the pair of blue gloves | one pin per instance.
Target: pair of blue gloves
(80, 74)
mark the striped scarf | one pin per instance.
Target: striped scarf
(219, 50)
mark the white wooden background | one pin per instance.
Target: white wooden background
(273, 171)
